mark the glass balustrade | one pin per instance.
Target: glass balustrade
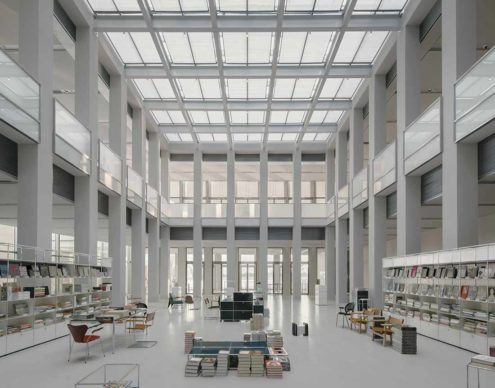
(313, 210)
(180, 210)
(134, 187)
(72, 139)
(109, 168)
(214, 210)
(247, 210)
(360, 188)
(343, 201)
(19, 98)
(422, 139)
(384, 169)
(151, 201)
(475, 97)
(280, 210)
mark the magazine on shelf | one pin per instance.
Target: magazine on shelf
(414, 271)
(473, 272)
(464, 292)
(482, 272)
(482, 294)
(462, 271)
(491, 295)
(473, 293)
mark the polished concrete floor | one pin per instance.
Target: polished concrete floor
(330, 356)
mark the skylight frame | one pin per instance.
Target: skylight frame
(179, 10)
(118, 39)
(191, 43)
(179, 137)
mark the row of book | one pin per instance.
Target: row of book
(49, 271)
(475, 293)
(471, 271)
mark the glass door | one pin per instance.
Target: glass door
(275, 279)
(247, 269)
(219, 270)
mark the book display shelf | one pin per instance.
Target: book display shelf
(446, 295)
(41, 290)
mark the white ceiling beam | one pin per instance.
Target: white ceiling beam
(251, 23)
(246, 105)
(157, 71)
(206, 128)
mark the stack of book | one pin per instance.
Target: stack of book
(273, 369)
(193, 366)
(247, 337)
(257, 363)
(244, 364)
(274, 339)
(208, 367)
(258, 336)
(223, 363)
(257, 322)
(404, 339)
(188, 341)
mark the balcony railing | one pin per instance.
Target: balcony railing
(247, 210)
(343, 201)
(180, 210)
(360, 188)
(109, 168)
(72, 139)
(331, 205)
(280, 210)
(422, 139)
(134, 187)
(214, 210)
(384, 169)
(151, 201)
(19, 99)
(475, 97)
(313, 210)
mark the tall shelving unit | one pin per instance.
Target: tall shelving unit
(447, 295)
(41, 290)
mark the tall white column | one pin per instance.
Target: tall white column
(313, 270)
(330, 271)
(138, 227)
(209, 271)
(377, 207)
(117, 203)
(35, 161)
(197, 231)
(340, 222)
(86, 99)
(231, 251)
(154, 223)
(459, 161)
(263, 248)
(164, 231)
(356, 229)
(286, 272)
(296, 229)
(408, 109)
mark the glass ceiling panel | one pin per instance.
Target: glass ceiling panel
(304, 47)
(283, 137)
(327, 117)
(314, 5)
(247, 117)
(207, 117)
(134, 47)
(159, 88)
(114, 6)
(246, 47)
(179, 6)
(178, 137)
(168, 117)
(243, 6)
(247, 137)
(311, 136)
(212, 137)
(189, 48)
(378, 6)
(348, 88)
(287, 117)
(247, 89)
(360, 46)
(287, 88)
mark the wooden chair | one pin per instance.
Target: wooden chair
(79, 336)
(141, 323)
(189, 300)
(360, 318)
(381, 328)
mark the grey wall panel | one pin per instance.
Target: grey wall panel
(214, 157)
(102, 203)
(281, 234)
(486, 157)
(181, 233)
(181, 157)
(313, 157)
(431, 185)
(313, 234)
(247, 233)
(280, 157)
(212, 233)
(63, 183)
(8, 156)
(247, 157)
(128, 216)
(392, 205)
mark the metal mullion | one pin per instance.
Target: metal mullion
(293, 89)
(338, 89)
(134, 43)
(359, 47)
(190, 48)
(156, 89)
(304, 48)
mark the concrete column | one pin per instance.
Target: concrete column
(296, 229)
(377, 207)
(263, 248)
(330, 271)
(154, 223)
(341, 223)
(459, 161)
(232, 267)
(138, 227)
(86, 99)
(356, 229)
(182, 269)
(197, 230)
(313, 270)
(208, 271)
(117, 203)
(286, 273)
(408, 109)
(164, 261)
(164, 184)
(35, 161)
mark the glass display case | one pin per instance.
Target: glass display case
(112, 376)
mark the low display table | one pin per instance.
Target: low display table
(112, 376)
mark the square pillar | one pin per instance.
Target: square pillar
(297, 225)
(263, 247)
(197, 229)
(164, 261)
(232, 266)
(209, 271)
(330, 269)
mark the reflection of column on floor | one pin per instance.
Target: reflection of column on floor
(313, 270)
(208, 275)
(182, 269)
(286, 272)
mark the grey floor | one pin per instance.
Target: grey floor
(330, 356)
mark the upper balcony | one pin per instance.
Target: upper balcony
(151, 201)
(475, 101)
(214, 208)
(422, 141)
(134, 188)
(109, 168)
(19, 102)
(180, 210)
(280, 207)
(384, 170)
(248, 209)
(72, 141)
(360, 188)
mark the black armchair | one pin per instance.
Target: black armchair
(345, 312)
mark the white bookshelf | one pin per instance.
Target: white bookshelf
(450, 303)
(36, 307)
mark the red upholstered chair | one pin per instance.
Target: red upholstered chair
(79, 336)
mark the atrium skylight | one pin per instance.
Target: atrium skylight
(202, 89)
(314, 5)
(287, 117)
(297, 89)
(340, 88)
(243, 6)
(379, 6)
(360, 46)
(212, 137)
(189, 48)
(158, 88)
(134, 47)
(311, 136)
(247, 137)
(179, 137)
(179, 6)
(114, 6)
(305, 47)
(283, 136)
(327, 117)
(247, 47)
(168, 116)
(247, 89)
(247, 117)
(207, 117)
